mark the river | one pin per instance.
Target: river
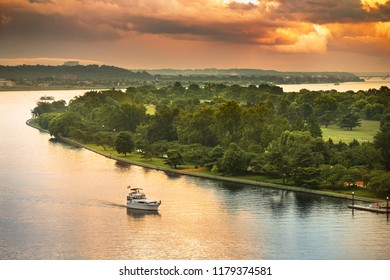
(62, 202)
(342, 87)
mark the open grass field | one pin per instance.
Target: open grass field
(150, 109)
(364, 133)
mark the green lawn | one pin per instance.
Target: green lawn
(131, 156)
(150, 109)
(364, 133)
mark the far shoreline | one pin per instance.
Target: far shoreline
(211, 177)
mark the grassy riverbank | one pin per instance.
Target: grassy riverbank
(189, 170)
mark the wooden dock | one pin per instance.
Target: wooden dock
(367, 208)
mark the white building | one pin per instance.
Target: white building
(71, 63)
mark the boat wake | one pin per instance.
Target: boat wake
(112, 204)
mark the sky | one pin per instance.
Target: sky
(284, 35)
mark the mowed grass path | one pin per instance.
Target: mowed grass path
(363, 133)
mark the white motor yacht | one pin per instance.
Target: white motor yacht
(136, 199)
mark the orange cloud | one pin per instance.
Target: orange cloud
(369, 5)
(369, 38)
(313, 42)
(272, 26)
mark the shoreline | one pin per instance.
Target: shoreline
(208, 176)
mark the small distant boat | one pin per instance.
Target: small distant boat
(136, 199)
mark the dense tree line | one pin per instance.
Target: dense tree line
(235, 129)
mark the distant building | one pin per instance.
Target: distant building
(69, 77)
(71, 63)
(6, 83)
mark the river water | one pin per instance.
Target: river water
(342, 87)
(62, 202)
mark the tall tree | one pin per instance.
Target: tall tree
(382, 143)
(234, 161)
(197, 127)
(292, 150)
(326, 108)
(162, 124)
(62, 123)
(349, 121)
(174, 158)
(128, 117)
(227, 122)
(124, 143)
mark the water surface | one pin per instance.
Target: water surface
(62, 202)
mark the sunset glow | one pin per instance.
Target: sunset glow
(200, 34)
(369, 5)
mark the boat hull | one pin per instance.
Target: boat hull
(143, 206)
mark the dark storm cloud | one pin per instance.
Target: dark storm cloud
(56, 27)
(237, 32)
(88, 21)
(331, 11)
(270, 22)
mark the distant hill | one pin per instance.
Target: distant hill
(94, 72)
(241, 72)
(43, 75)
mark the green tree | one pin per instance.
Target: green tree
(380, 183)
(48, 107)
(196, 154)
(174, 158)
(260, 125)
(234, 161)
(195, 88)
(307, 177)
(325, 108)
(313, 127)
(295, 117)
(349, 121)
(382, 143)
(374, 111)
(45, 118)
(227, 122)
(161, 126)
(178, 88)
(62, 123)
(124, 143)
(127, 117)
(104, 139)
(357, 154)
(197, 127)
(214, 156)
(160, 148)
(333, 175)
(292, 150)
